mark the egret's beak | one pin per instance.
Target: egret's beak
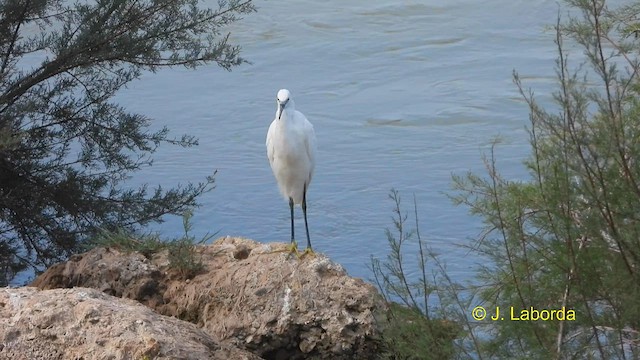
(281, 106)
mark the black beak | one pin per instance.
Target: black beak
(281, 107)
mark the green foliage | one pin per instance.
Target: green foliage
(409, 329)
(569, 237)
(146, 244)
(182, 252)
(66, 149)
(407, 334)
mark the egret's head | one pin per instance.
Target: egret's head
(283, 99)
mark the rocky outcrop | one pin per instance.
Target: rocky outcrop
(255, 296)
(83, 323)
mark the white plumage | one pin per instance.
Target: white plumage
(291, 149)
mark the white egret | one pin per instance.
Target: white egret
(291, 150)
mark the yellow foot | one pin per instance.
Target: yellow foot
(293, 249)
(307, 251)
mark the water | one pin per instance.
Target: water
(401, 93)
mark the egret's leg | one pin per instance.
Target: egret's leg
(294, 245)
(306, 225)
(292, 227)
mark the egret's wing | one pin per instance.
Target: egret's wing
(310, 144)
(270, 144)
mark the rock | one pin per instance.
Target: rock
(113, 272)
(82, 323)
(255, 296)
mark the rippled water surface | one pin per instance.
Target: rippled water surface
(401, 93)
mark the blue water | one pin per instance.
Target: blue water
(402, 94)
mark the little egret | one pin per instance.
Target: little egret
(291, 149)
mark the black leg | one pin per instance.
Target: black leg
(304, 211)
(292, 231)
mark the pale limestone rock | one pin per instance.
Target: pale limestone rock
(252, 295)
(82, 323)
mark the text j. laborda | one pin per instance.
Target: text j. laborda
(517, 314)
